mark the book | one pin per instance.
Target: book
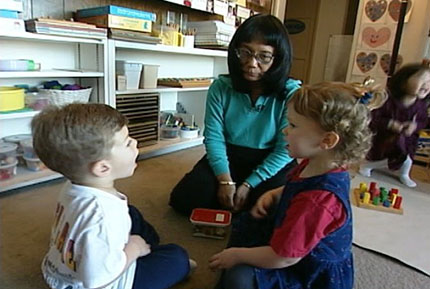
(10, 25)
(116, 10)
(12, 5)
(67, 28)
(135, 36)
(9, 14)
(114, 21)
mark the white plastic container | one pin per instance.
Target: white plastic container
(27, 147)
(7, 151)
(131, 70)
(149, 76)
(187, 132)
(8, 171)
(169, 132)
(34, 164)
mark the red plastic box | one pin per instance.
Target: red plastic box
(210, 223)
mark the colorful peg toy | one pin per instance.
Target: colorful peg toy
(379, 199)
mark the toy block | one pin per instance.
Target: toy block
(380, 201)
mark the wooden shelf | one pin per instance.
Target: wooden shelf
(49, 73)
(161, 89)
(25, 177)
(28, 36)
(169, 49)
(15, 115)
(168, 146)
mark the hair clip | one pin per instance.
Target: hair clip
(365, 98)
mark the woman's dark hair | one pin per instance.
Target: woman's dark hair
(268, 30)
(397, 83)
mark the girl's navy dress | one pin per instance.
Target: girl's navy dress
(330, 264)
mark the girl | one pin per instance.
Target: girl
(243, 122)
(310, 245)
(397, 122)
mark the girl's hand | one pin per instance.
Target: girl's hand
(262, 205)
(240, 197)
(141, 245)
(225, 195)
(224, 259)
(410, 127)
(395, 126)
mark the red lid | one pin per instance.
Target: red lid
(210, 217)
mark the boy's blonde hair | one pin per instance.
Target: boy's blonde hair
(336, 107)
(67, 139)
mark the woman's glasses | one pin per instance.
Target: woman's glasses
(262, 57)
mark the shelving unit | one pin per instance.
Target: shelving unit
(91, 62)
(70, 60)
(173, 61)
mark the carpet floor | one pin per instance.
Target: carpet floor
(26, 216)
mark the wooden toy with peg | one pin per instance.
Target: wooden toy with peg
(379, 199)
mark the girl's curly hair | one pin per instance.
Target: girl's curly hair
(337, 107)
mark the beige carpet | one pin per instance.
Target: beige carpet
(404, 237)
(26, 216)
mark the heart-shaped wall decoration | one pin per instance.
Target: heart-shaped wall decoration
(375, 38)
(385, 62)
(366, 61)
(375, 9)
(394, 9)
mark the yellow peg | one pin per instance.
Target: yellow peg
(366, 198)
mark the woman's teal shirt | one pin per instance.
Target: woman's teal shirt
(231, 118)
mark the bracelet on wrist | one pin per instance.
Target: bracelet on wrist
(247, 185)
(227, 183)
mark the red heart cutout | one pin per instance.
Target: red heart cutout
(394, 9)
(385, 62)
(375, 38)
(366, 61)
(375, 9)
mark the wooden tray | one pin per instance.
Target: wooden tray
(184, 82)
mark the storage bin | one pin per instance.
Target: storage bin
(210, 223)
(169, 132)
(37, 101)
(7, 152)
(62, 97)
(34, 164)
(27, 147)
(11, 98)
(8, 171)
(16, 139)
(149, 76)
(188, 132)
(131, 70)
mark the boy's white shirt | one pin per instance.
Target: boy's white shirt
(98, 229)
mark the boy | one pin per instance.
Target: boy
(97, 240)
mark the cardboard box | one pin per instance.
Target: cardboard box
(114, 21)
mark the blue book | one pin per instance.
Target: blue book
(8, 14)
(116, 10)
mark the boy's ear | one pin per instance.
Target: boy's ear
(100, 168)
(329, 140)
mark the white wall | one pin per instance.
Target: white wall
(330, 21)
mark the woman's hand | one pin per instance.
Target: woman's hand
(223, 260)
(240, 197)
(225, 195)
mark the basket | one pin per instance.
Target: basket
(62, 97)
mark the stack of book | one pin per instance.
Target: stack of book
(212, 33)
(10, 16)
(123, 23)
(64, 27)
